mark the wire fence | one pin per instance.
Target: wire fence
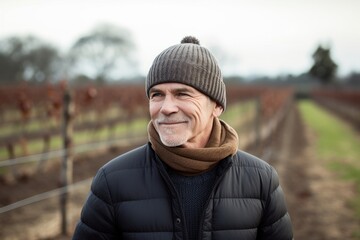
(55, 155)
(44, 196)
(61, 152)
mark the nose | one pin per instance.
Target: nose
(169, 105)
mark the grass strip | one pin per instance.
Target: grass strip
(337, 144)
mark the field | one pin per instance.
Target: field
(321, 191)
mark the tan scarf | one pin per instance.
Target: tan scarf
(223, 142)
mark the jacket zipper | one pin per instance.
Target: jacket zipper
(217, 182)
(173, 191)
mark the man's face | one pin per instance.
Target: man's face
(182, 115)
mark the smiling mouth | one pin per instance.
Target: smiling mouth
(170, 123)
(166, 122)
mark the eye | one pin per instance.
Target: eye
(155, 95)
(183, 94)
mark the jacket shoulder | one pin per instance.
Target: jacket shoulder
(255, 172)
(244, 159)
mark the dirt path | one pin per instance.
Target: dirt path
(317, 202)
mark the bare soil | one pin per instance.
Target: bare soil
(317, 201)
(319, 204)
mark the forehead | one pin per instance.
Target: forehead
(173, 87)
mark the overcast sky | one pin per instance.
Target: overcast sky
(254, 37)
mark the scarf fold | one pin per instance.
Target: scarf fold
(222, 143)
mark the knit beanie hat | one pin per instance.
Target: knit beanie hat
(191, 64)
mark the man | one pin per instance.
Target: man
(190, 181)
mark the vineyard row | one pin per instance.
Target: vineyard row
(35, 112)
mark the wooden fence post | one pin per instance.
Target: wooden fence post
(67, 162)
(11, 151)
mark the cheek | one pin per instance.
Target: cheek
(200, 117)
(153, 109)
(205, 115)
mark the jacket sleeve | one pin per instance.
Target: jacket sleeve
(97, 215)
(276, 223)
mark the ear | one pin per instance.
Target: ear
(218, 110)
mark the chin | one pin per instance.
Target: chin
(169, 142)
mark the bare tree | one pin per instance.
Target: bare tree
(324, 68)
(104, 51)
(40, 63)
(26, 58)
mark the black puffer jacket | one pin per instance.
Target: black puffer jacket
(132, 197)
